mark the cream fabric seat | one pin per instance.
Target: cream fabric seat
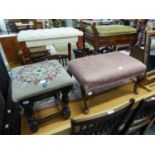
(39, 78)
(47, 34)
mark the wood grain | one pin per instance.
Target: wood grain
(10, 46)
(99, 104)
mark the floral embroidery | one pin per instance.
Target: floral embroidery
(37, 74)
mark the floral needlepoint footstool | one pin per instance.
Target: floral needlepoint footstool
(40, 80)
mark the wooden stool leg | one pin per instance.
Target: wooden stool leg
(137, 84)
(85, 100)
(86, 108)
(28, 111)
(96, 51)
(65, 100)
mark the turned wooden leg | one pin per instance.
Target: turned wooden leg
(28, 111)
(65, 100)
(86, 108)
(96, 50)
(85, 100)
(113, 48)
(137, 84)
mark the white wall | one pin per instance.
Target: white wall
(2, 25)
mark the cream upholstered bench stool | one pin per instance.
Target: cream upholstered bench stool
(37, 81)
(97, 71)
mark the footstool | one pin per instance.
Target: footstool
(96, 71)
(37, 81)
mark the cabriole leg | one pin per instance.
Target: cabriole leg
(137, 84)
(85, 100)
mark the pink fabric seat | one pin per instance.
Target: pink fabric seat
(95, 71)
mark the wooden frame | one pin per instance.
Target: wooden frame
(149, 36)
(27, 104)
(26, 54)
(85, 96)
(141, 118)
(61, 58)
(102, 124)
(143, 54)
(150, 75)
(97, 41)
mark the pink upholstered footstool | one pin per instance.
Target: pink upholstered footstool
(95, 71)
